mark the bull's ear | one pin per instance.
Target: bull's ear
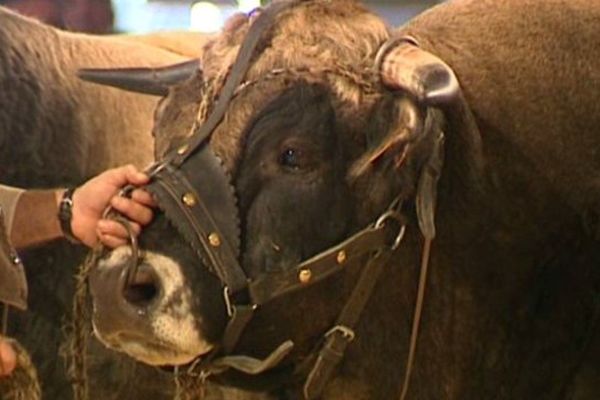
(152, 81)
(404, 66)
(405, 127)
(425, 79)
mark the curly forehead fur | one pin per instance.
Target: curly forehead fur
(334, 42)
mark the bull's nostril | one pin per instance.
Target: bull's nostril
(143, 288)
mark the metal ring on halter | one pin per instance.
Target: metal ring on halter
(394, 215)
(133, 243)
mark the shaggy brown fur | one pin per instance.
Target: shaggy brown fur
(351, 37)
(529, 69)
(521, 312)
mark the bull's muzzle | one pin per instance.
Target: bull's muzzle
(122, 304)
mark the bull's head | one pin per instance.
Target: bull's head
(317, 146)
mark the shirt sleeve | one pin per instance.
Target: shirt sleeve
(9, 197)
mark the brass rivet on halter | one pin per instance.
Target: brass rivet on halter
(341, 257)
(305, 275)
(183, 149)
(214, 239)
(189, 199)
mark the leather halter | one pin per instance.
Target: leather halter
(193, 189)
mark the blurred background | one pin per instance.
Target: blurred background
(140, 16)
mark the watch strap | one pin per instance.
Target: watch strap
(65, 215)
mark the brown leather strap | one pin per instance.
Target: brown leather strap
(192, 210)
(259, 28)
(340, 336)
(414, 335)
(270, 286)
(239, 318)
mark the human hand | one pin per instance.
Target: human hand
(8, 358)
(92, 198)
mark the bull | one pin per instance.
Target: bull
(303, 163)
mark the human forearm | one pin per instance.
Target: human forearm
(35, 219)
(34, 213)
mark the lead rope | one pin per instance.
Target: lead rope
(189, 385)
(77, 331)
(414, 335)
(23, 383)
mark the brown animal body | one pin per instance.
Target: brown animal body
(46, 113)
(184, 43)
(317, 150)
(58, 131)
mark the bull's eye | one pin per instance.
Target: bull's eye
(291, 158)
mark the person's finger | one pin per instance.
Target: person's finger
(112, 241)
(8, 358)
(143, 197)
(127, 174)
(116, 229)
(133, 210)
(134, 176)
(110, 227)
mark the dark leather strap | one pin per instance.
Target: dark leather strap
(239, 318)
(198, 199)
(340, 336)
(313, 270)
(259, 28)
(414, 333)
(65, 215)
(221, 261)
(175, 178)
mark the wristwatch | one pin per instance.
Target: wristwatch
(65, 215)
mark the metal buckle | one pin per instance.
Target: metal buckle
(346, 332)
(394, 215)
(229, 304)
(155, 168)
(227, 301)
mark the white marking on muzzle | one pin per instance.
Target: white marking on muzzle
(174, 326)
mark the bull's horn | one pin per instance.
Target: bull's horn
(405, 66)
(152, 81)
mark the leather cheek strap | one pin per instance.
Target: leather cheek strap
(270, 286)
